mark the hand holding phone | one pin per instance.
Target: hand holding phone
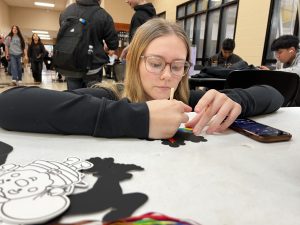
(259, 132)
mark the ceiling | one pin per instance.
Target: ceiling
(59, 4)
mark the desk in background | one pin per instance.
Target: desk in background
(210, 83)
(230, 179)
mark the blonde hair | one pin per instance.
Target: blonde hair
(146, 33)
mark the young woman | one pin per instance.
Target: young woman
(36, 53)
(15, 49)
(158, 60)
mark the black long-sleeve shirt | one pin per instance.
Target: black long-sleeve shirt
(142, 14)
(97, 112)
(36, 52)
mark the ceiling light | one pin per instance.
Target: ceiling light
(46, 38)
(40, 32)
(45, 4)
(43, 35)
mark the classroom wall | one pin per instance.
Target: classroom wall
(37, 18)
(4, 18)
(120, 11)
(168, 6)
(251, 29)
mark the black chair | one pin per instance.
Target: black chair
(119, 69)
(209, 83)
(286, 83)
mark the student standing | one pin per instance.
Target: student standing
(103, 29)
(2, 53)
(15, 49)
(143, 12)
(36, 53)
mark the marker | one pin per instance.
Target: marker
(186, 129)
(172, 94)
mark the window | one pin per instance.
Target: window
(207, 23)
(214, 3)
(283, 19)
(189, 28)
(212, 33)
(202, 5)
(199, 35)
(228, 22)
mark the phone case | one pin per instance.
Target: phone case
(272, 134)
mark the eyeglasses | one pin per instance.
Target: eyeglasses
(156, 65)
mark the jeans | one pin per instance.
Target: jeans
(16, 67)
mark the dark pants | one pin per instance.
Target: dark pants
(110, 72)
(37, 67)
(4, 63)
(88, 81)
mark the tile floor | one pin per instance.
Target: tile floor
(48, 80)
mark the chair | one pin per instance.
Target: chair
(119, 69)
(210, 83)
(286, 83)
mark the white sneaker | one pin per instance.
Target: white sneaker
(20, 82)
(14, 83)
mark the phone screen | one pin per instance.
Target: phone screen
(257, 128)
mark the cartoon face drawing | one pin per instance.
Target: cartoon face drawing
(37, 192)
(23, 183)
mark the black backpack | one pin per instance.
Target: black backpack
(73, 53)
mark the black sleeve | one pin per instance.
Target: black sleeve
(33, 109)
(138, 19)
(29, 52)
(136, 22)
(43, 51)
(110, 33)
(255, 100)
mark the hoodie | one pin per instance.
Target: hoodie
(103, 28)
(141, 15)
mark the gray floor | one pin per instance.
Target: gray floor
(48, 80)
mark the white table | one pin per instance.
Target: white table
(230, 179)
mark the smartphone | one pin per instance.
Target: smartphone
(259, 132)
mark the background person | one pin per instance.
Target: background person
(14, 50)
(225, 58)
(3, 59)
(286, 50)
(143, 12)
(109, 68)
(143, 108)
(103, 30)
(36, 53)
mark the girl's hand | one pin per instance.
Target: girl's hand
(166, 117)
(215, 110)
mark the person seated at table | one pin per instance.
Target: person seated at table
(157, 61)
(286, 51)
(226, 58)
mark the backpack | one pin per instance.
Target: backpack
(73, 52)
